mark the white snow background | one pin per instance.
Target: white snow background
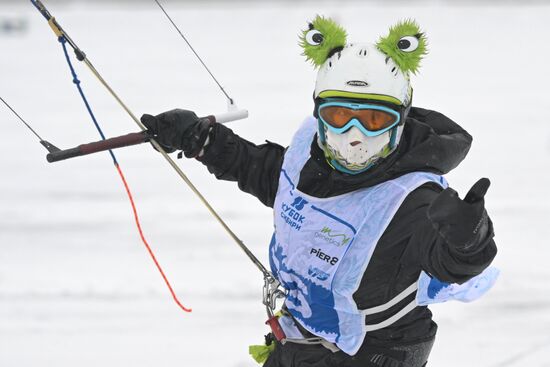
(77, 287)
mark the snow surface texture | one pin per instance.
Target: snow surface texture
(77, 287)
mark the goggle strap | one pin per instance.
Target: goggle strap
(393, 137)
(321, 131)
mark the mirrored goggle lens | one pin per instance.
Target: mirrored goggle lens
(371, 119)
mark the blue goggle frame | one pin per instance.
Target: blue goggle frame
(354, 121)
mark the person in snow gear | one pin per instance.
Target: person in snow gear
(367, 231)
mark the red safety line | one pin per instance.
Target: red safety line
(146, 243)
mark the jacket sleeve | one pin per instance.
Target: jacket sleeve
(441, 259)
(256, 168)
(411, 244)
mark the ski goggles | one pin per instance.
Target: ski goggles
(371, 119)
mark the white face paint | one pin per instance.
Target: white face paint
(354, 150)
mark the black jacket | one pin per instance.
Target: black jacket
(431, 142)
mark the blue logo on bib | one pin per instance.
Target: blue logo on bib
(291, 213)
(317, 273)
(299, 203)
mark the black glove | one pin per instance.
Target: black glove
(462, 223)
(178, 130)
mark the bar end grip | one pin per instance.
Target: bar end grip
(63, 154)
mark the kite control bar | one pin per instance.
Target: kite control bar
(99, 146)
(127, 140)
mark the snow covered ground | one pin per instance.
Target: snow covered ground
(77, 288)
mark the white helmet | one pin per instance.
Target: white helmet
(362, 71)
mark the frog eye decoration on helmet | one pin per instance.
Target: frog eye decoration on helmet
(364, 70)
(322, 38)
(355, 78)
(405, 44)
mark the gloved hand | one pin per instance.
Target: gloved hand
(462, 223)
(178, 130)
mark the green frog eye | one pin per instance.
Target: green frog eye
(320, 39)
(408, 44)
(314, 37)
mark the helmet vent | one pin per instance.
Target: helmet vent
(357, 83)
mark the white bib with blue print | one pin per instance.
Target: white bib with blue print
(322, 246)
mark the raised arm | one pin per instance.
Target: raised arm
(459, 235)
(255, 168)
